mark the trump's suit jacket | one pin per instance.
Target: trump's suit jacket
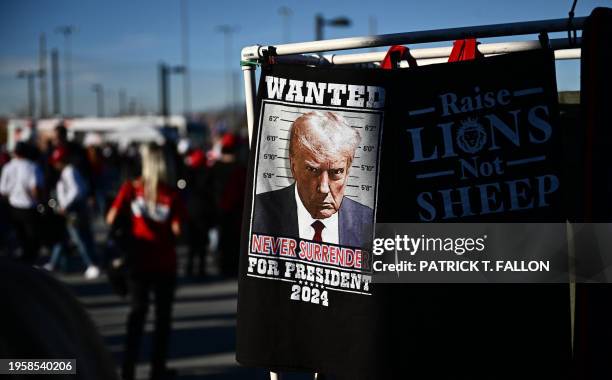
(276, 214)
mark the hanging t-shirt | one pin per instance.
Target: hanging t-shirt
(469, 142)
(305, 299)
(592, 344)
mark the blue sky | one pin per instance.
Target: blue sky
(119, 42)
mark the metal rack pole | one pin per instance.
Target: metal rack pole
(482, 31)
(248, 72)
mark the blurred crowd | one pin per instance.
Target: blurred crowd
(141, 202)
(53, 193)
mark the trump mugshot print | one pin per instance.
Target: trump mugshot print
(317, 156)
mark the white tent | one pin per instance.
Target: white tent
(138, 134)
(111, 124)
(122, 130)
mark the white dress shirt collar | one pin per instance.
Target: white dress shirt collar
(330, 232)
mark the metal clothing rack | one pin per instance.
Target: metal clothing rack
(297, 53)
(251, 56)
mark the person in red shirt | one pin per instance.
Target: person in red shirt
(155, 211)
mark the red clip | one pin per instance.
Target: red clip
(465, 50)
(396, 54)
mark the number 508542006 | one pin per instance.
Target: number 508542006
(308, 294)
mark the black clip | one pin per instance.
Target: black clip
(544, 40)
(269, 56)
(396, 57)
(570, 26)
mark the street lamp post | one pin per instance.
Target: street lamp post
(373, 28)
(42, 62)
(30, 75)
(321, 22)
(67, 31)
(99, 90)
(164, 88)
(227, 31)
(185, 54)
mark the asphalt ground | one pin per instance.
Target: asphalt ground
(203, 337)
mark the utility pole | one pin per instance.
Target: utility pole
(99, 90)
(67, 31)
(30, 75)
(185, 51)
(55, 82)
(321, 22)
(42, 72)
(122, 102)
(286, 13)
(163, 90)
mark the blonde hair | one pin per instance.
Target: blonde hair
(155, 170)
(324, 134)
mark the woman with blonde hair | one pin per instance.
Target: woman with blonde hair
(155, 211)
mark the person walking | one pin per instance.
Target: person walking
(227, 183)
(199, 203)
(156, 213)
(21, 182)
(71, 192)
